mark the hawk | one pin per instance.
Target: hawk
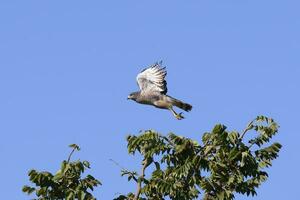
(153, 90)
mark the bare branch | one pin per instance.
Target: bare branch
(146, 163)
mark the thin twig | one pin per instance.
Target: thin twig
(69, 158)
(123, 169)
(249, 127)
(116, 163)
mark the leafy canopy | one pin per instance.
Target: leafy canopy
(173, 167)
(223, 164)
(66, 183)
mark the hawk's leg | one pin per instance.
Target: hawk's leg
(178, 116)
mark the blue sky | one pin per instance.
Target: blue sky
(66, 68)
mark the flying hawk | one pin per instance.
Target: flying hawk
(153, 90)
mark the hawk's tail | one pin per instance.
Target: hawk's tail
(184, 106)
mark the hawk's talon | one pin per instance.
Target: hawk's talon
(179, 116)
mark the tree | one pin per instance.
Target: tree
(224, 164)
(66, 183)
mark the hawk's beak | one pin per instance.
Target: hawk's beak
(128, 97)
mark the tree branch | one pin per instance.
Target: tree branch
(69, 158)
(146, 163)
(249, 127)
(124, 170)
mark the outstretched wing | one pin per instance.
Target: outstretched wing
(152, 79)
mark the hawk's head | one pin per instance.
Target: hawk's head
(133, 95)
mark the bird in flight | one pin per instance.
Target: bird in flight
(153, 90)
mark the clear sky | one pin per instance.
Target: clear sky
(66, 68)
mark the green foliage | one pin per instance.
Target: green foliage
(222, 165)
(65, 184)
